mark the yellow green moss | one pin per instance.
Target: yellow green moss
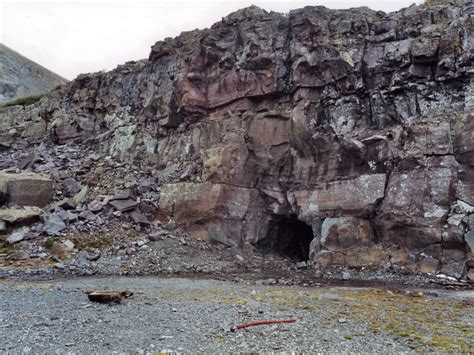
(425, 322)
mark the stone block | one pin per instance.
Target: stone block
(19, 216)
(27, 189)
(355, 197)
(192, 202)
(428, 266)
(345, 234)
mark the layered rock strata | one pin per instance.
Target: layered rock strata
(356, 123)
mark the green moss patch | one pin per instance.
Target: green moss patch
(24, 101)
(427, 323)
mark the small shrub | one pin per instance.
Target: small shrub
(48, 243)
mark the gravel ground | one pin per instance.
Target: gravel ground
(189, 315)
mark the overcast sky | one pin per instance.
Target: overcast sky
(73, 37)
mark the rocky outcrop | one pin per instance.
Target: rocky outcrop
(355, 123)
(20, 77)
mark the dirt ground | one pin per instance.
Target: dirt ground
(189, 315)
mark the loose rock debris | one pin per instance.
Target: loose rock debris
(190, 315)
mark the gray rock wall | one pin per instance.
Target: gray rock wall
(356, 122)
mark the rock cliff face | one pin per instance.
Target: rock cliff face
(340, 136)
(20, 77)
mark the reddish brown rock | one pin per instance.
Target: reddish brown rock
(351, 242)
(26, 189)
(352, 197)
(352, 126)
(62, 249)
(346, 233)
(429, 266)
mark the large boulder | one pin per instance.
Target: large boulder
(26, 189)
(14, 216)
(347, 241)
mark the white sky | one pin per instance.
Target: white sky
(80, 36)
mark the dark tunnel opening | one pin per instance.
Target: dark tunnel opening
(287, 236)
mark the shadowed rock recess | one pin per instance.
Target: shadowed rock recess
(354, 125)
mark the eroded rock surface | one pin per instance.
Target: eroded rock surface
(358, 123)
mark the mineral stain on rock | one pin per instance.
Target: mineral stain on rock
(355, 125)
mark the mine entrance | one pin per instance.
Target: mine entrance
(289, 237)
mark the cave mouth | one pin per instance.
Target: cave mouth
(287, 236)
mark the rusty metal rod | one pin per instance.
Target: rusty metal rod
(234, 328)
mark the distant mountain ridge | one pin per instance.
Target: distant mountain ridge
(21, 77)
